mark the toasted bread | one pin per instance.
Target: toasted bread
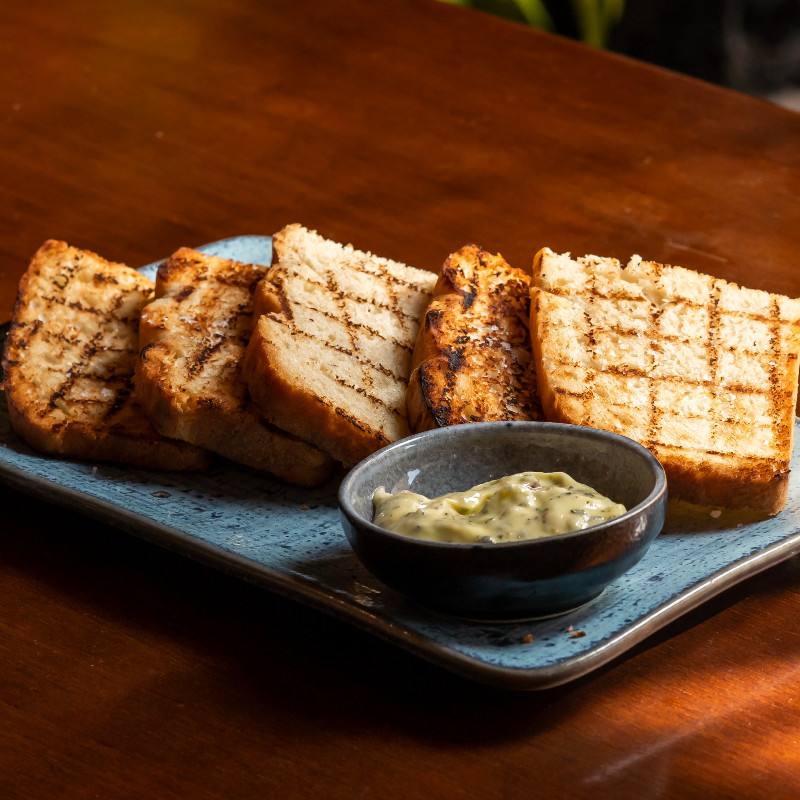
(701, 371)
(189, 373)
(69, 361)
(330, 353)
(472, 361)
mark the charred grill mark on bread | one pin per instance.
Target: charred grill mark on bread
(122, 395)
(782, 402)
(429, 380)
(355, 422)
(713, 347)
(655, 346)
(351, 353)
(202, 357)
(354, 331)
(184, 294)
(330, 290)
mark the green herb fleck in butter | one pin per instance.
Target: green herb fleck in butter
(529, 505)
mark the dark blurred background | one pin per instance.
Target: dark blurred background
(752, 46)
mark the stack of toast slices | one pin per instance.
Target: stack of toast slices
(69, 361)
(702, 372)
(331, 353)
(288, 369)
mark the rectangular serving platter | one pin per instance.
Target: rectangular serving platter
(289, 540)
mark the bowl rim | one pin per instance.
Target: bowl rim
(658, 493)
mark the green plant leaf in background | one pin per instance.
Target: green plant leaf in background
(596, 19)
(593, 19)
(531, 12)
(535, 14)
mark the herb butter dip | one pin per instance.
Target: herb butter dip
(528, 505)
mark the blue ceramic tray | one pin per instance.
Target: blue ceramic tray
(290, 541)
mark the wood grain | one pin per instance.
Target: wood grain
(409, 127)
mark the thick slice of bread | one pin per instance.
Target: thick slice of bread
(701, 371)
(189, 374)
(472, 361)
(330, 353)
(69, 361)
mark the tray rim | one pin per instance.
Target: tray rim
(307, 593)
(300, 590)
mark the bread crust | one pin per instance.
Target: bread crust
(69, 358)
(756, 484)
(472, 359)
(129, 442)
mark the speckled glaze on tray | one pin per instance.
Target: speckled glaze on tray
(290, 541)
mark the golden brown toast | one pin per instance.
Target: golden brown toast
(330, 353)
(472, 361)
(189, 374)
(701, 371)
(69, 361)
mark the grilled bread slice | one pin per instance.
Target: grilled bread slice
(701, 371)
(189, 374)
(472, 361)
(330, 353)
(69, 361)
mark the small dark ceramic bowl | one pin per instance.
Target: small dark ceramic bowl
(510, 580)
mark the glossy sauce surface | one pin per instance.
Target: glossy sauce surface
(528, 505)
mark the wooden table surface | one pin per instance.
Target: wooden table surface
(408, 127)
